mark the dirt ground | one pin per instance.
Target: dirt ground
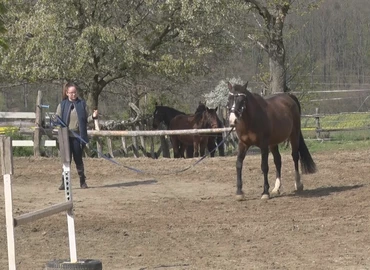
(191, 220)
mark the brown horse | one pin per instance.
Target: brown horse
(164, 114)
(215, 140)
(266, 122)
(205, 119)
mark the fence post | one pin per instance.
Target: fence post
(318, 127)
(7, 171)
(98, 143)
(63, 138)
(38, 122)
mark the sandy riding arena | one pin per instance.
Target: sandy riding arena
(191, 220)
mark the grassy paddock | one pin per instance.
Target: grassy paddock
(336, 141)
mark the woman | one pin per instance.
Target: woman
(74, 113)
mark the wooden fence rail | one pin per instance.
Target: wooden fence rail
(33, 123)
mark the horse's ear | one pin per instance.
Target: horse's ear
(156, 103)
(230, 86)
(216, 109)
(245, 86)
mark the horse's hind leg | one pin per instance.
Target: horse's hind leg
(175, 147)
(277, 160)
(182, 150)
(295, 156)
(189, 151)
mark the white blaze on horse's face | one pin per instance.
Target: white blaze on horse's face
(236, 108)
(232, 116)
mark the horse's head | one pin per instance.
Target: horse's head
(210, 117)
(158, 117)
(201, 107)
(236, 103)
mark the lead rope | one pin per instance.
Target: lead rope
(61, 122)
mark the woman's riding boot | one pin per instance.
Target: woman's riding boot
(81, 174)
(83, 182)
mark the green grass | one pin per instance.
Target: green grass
(334, 146)
(342, 120)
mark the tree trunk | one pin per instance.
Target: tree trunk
(273, 14)
(277, 70)
(92, 100)
(276, 49)
(92, 94)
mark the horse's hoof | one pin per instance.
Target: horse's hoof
(275, 193)
(299, 188)
(265, 197)
(240, 197)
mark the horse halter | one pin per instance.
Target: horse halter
(237, 111)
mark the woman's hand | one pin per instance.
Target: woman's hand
(95, 114)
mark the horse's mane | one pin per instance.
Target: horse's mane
(201, 108)
(198, 116)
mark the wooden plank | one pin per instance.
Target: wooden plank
(9, 220)
(98, 143)
(26, 143)
(38, 120)
(18, 124)
(32, 216)
(6, 155)
(17, 115)
(136, 133)
(110, 147)
(63, 139)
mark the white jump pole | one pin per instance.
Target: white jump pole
(7, 171)
(66, 161)
(6, 158)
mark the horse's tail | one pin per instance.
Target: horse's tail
(308, 166)
(296, 101)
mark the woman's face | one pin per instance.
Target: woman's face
(72, 93)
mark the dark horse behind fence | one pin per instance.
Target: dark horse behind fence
(214, 139)
(205, 119)
(164, 114)
(266, 122)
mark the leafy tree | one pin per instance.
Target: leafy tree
(3, 44)
(269, 21)
(98, 42)
(219, 95)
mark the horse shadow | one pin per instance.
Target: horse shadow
(129, 184)
(324, 191)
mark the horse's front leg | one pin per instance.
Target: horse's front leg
(265, 170)
(202, 146)
(242, 151)
(211, 145)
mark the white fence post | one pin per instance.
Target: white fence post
(7, 171)
(6, 157)
(66, 161)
